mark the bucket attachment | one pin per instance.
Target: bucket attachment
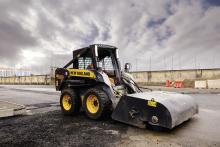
(165, 109)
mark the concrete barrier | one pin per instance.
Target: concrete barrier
(28, 80)
(201, 84)
(213, 83)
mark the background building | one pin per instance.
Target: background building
(8, 72)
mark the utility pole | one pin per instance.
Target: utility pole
(164, 60)
(146, 62)
(172, 63)
(180, 63)
(195, 63)
(213, 61)
(136, 64)
(150, 64)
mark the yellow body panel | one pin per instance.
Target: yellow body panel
(81, 73)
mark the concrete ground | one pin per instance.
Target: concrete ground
(11, 109)
(36, 98)
(46, 126)
(184, 90)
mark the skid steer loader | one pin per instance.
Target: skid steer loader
(94, 82)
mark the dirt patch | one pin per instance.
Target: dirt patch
(54, 129)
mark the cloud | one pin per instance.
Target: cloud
(151, 35)
(196, 34)
(13, 37)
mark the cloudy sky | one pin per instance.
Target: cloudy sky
(152, 35)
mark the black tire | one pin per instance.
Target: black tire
(73, 101)
(103, 100)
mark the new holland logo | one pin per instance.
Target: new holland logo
(80, 73)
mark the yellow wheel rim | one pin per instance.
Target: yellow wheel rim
(66, 102)
(92, 104)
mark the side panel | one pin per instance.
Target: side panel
(60, 76)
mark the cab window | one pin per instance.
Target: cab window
(85, 63)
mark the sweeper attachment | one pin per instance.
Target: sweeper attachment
(96, 85)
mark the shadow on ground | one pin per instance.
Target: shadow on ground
(54, 129)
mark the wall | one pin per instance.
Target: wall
(34, 79)
(142, 77)
(160, 77)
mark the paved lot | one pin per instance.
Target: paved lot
(185, 90)
(37, 98)
(45, 126)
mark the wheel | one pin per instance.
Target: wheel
(69, 102)
(96, 103)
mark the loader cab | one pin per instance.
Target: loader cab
(99, 57)
(83, 59)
